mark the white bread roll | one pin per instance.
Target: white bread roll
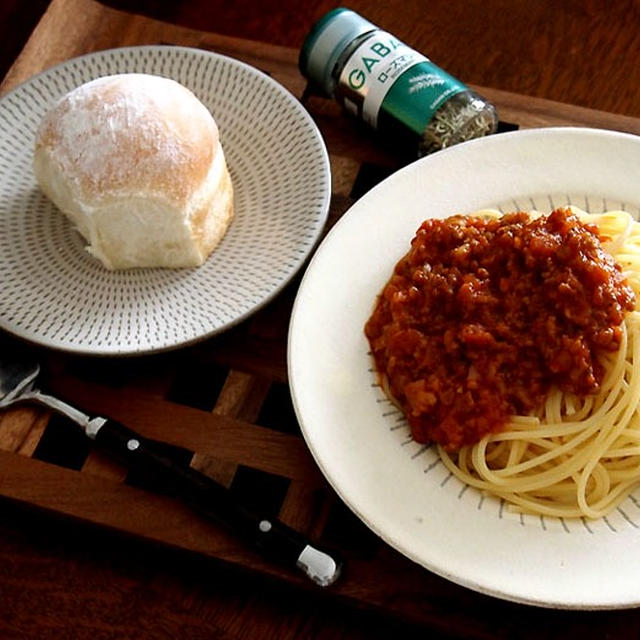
(135, 162)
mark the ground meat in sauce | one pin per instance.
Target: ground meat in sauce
(483, 316)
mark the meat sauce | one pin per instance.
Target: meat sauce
(482, 317)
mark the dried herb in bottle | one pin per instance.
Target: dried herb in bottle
(390, 86)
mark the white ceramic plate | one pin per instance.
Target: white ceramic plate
(398, 488)
(55, 294)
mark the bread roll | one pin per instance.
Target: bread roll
(135, 162)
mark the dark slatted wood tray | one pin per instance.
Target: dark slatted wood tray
(223, 406)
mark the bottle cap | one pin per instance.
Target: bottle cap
(326, 41)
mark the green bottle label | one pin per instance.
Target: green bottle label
(417, 94)
(385, 80)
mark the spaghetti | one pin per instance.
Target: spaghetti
(580, 457)
(575, 452)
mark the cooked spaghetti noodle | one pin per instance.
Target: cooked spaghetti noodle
(580, 457)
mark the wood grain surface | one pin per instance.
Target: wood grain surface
(86, 549)
(582, 52)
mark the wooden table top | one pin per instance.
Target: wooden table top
(82, 565)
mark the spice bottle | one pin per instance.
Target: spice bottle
(390, 86)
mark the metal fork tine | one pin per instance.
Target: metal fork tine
(16, 376)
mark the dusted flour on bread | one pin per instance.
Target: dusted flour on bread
(135, 162)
